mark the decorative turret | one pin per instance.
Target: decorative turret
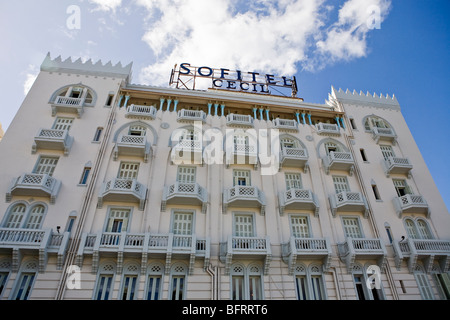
(361, 98)
(88, 67)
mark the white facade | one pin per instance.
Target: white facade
(92, 183)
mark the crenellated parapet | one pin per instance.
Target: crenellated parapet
(353, 97)
(87, 67)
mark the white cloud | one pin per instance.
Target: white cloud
(272, 36)
(106, 5)
(30, 77)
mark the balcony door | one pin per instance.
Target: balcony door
(118, 220)
(128, 170)
(46, 165)
(241, 178)
(352, 228)
(243, 225)
(186, 174)
(300, 227)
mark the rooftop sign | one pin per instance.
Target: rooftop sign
(187, 77)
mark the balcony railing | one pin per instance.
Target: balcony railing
(328, 128)
(396, 165)
(68, 104)
(43, 241)
(348, 201)
(245, 247)
(362, 248)
(123, 190)
(243, 196)
(191, 115)
(294, 157)
(306, 248)
(159, 245)
(411, 203)
(141, 112)
(132, 146)
(339, 161)
(242, 154)
(34, 185)
(285, 124)
(383, 134)
(426, 250)
(239, 120)
(298, 199)
(185, 193)
(187, 151)
(52, 139)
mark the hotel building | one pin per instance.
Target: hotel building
(109, 192)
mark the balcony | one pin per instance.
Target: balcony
(294, 157)
(395, 165)
(245, 197)
(68, 105)
(164, 246)
(348, 201)
(339, 161)
(185, 194)
(40, 242)
(411, 203)
(426, 250)
(34, 185)
(298, 199)
(187, 152)
(185, 115)
(328, 129)
(239, 120)
(285, 125)
(130, 145)
(123, 190)
(242, 154)
(245, 248)
(52, 139)
(360, 248)
(135, 111)
(306, 248)
(383, 134)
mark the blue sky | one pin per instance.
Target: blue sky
(322, 42)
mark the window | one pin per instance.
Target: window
(423, 284)
(45, 165)
(3, 278)
(442, 279)
(340, 184)
(85, 175)
(293, 181)
(186, 174)
(98, 134)
(352, 123)
(417, 229)
(62, 123)
(359, 284)
(387, 151)
(109, 100)
(288, 143)
(154, 281)
(375, 192)
(182, 223)
(70, 224)
(331, 147)
(128, 170)
(363, 155)
(104, 281)
(243, 225)
(351, 228)
(129, 281)
(117, 220)
(24, 286)
(246, 283)
(137, 131)
(401, 187)
(35, 217)
(241, 178)
(177, 282)
(309, 283)
(15, 216)
(300, 227)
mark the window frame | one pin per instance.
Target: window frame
(250, 215)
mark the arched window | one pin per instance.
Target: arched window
(35, 218)
(375, 122)
(177, 289)
(411, 229)
(309, 282)
(246, 282)
(423, 229)
(74, 93)
(418, 229)
(15, 216)
(129, 282)
(25, 281)
(105, 278)
(154, 281)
